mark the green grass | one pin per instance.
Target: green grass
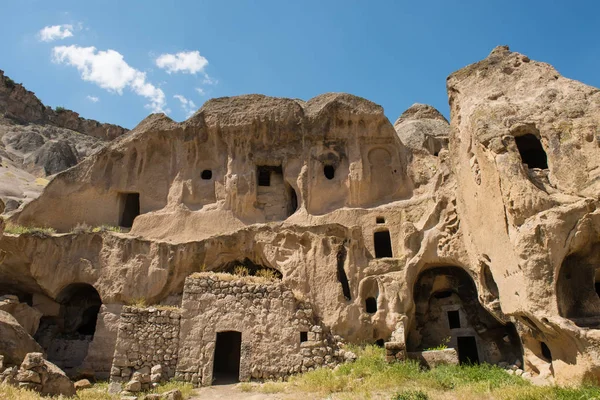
(60, 109)
(28, 230)
(372, 377)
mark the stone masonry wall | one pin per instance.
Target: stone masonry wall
(147, 338)
(270, 320)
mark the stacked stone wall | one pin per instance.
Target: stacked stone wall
(147, 338)
(270, 320)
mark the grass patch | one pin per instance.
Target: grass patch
(99, 391)
(223, 276)
(60, 109)
(185, 388)
(107, 228)
(28, 230)
(85, 228)
(370, 376)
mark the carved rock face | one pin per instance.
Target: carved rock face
(485, 228)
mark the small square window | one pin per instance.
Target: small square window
(380, 220)
(303, 337)
(454, 319)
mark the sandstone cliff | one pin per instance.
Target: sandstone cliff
(484, 228)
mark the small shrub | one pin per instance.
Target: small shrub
(107, 228)
(240, 270)
(81, 228)
(60, 109)
(139, 302)
(9, 82)
(266, 274)
(441, 346)
(411, 395)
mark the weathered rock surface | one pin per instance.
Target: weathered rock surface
(482, 233)
(36, 142)
(15, 342)
(28, 317)
(38, 374)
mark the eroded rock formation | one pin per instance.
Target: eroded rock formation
(37, 142)
(482, 233)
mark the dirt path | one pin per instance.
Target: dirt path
(232, 391)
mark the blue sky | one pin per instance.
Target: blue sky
(100, 58)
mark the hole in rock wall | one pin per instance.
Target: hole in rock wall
(131, 208)
(274, 196)
(531, 151)
(383, 244)
(467, 350)
(248, 267)
(371, 305)
(226, 362)
(303, 337)
(341, 273)
(264, 175)
(577, 287)
(329, 171)
(66, 337)
(489, 281)
(447, 306)
(206, 174)
(380, 342)
(380, 220)
(546, 353)
(454, 319)
(597, 282)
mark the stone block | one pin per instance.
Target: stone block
(433, 358)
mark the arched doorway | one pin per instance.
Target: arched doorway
(447, 311)
(578, 287)
(66, 337)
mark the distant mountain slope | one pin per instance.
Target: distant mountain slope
(37, 142)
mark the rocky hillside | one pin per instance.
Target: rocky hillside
(37, 142)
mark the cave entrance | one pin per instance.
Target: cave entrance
(578, 287)
(531, 151)
(383, 244)
(274, 195)
(371, 305)
(67, 336)
(131, 208)
(448, 311)
(467, 350)
(226, 365)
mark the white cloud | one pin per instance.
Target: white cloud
(109, 70)
(190, 62)
(187, 105)
(93, 99)
(55, 32)
(209, 81)
(201, 91)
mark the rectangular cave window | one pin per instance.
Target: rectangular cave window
(383, 244)
(131, 208)
(228, 350)
(380, 220)
(454, 319)
(303, 337)
(264, 175)
(531, 151)
(467, 350)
